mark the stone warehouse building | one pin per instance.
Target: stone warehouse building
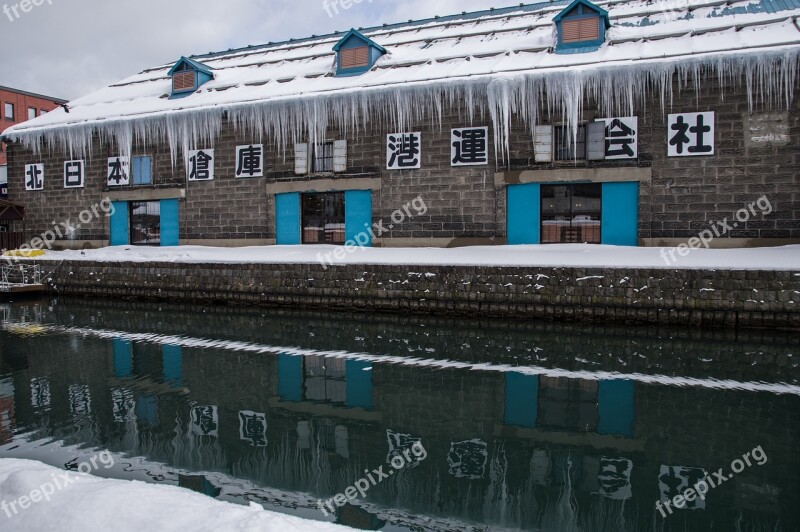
(618, 122)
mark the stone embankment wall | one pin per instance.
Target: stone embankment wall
(724, 298)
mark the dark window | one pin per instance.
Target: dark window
(566, 147)
(567, 404)
(571, 213)
(145, 223)
(323, 218)
(323, 157)
(9, 111)
(324, 379)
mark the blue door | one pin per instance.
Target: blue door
(358, 216)
(524, 213)
(287, 219)
(120, 233)
(169, 222)
(620, 214)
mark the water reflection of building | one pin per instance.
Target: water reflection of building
(504, 448)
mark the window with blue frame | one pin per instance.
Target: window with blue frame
(581, 27)
(187, 76)
(142, 167)
(183, 79)
(356, 53)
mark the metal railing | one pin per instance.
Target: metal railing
(20, 275)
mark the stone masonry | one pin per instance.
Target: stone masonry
(757, 154)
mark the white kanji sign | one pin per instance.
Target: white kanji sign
(118, 171)
(469, 146)
(403, 151)
(200, 165)
(73, 174)
(34, 176)
(250, 160)
(690, 134)
(622, 140)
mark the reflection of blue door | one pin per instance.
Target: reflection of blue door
(358, 377)
(522, 396)
(147, 409)
(616, 407)
(290, 377)
(172, 364)
(123, 358)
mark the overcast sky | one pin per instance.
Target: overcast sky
(69, 48)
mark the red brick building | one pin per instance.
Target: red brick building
(18, 106)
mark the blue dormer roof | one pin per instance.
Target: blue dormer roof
(202, 74)
(355, 39)
(583, 19)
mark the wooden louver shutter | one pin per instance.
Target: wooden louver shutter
(596, 140)
(301, 158)
(543, 144)
(182, 81)
(590, 29)
(354, 57)
(582, 29)
(340, 156)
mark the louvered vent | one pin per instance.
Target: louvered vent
(577, 30)
(354, 57)
(183, 81)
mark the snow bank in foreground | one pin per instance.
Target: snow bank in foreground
(580, 255)
(89, 504)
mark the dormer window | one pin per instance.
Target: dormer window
(183, 79)
(187, 76)
(581, 27)
(356, 53)
(354, 57)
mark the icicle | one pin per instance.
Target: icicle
(769, 79)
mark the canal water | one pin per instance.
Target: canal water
(436, 424)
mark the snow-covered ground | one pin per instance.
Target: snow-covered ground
(90, 504)
(580, 255)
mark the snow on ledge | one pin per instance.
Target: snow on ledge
(89, 504)
(551, 255)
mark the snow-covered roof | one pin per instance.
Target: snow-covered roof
(471, 49)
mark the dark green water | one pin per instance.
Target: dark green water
(523, 426)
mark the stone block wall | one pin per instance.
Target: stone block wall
(724, 298)
(757, 154)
